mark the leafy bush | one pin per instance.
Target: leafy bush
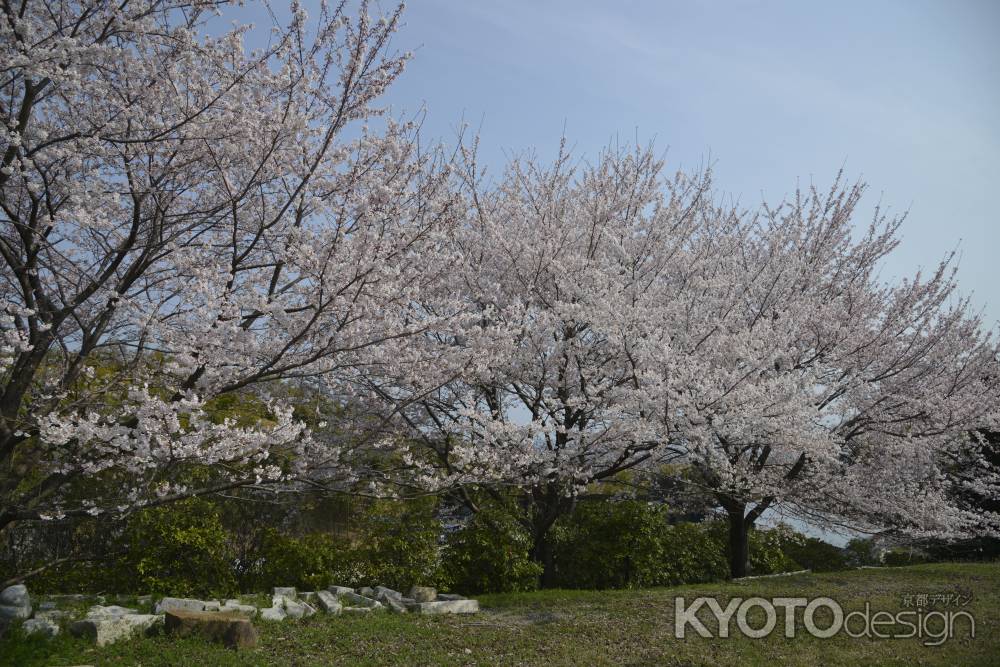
(490, 555)
(180, 549)
(401, 546)
(899, 556)
(282, 560)
(817, 555)
(860, 551)
(611, 545)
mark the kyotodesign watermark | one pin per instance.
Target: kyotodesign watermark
(822, 617)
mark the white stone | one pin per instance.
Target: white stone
(339, 590)
(273, 614)
(445, 607)
(422, 593)
(394, 605)
(109, 629)
(181, 604)
(367, 591)
(329, 602)
(97, 611)
(388, 592)
(40, 626)
(235, 606)
(449, 597)
(361, 600)
(298, 609)
(286, 591)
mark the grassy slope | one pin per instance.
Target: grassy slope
(581, 627)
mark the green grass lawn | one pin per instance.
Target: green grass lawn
(584, 628)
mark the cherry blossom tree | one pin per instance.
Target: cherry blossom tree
(184, 218)
(553, 375)
(815, 387)
(626, 319)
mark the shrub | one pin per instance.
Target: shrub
(816, 555)
(282, 560)
(180, 549)
(401, 545)
(611, 544)
(490, 555)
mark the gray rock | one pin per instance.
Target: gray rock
(367, 591)
(97, 611)
(40, 626)
(445, 607)
(183, 604)
(298, 609)
(212, 605)
(55, 615)
(422, 593)
(15, 596)
(394, 605)
(47, 605)
(361, 601)
(388, 592)
(449, 597)
(234, 606)
(308, 596)
(273, 614)
(286, 591)
(328, 602)
(407, 601)
(15, 602)
(8, 612)
(339, 590)
(109, 629)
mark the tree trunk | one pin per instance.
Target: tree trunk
(543, 554)
(739, 541)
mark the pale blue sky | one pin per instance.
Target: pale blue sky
(903, 94)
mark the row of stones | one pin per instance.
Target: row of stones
(107, 624)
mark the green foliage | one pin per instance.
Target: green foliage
(900, 556)
(768, 553)
(694, 553)
(817, 555)
(181, 549)
(401, 545)
(283, 560)
(611, 545)
(490, 555)
(860, 551)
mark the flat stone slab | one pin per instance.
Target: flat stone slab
(109, 629)
(361, 601)
(234, 630)
(286, 591)
(445, 607)
(40, 626)
(328, 602)
(339, 590)
(183, 604)
(388, 592)
(239, 608)
(422, 593)
(273, 614)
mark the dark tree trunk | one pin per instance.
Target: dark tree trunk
(739, 542)
(543, 554)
